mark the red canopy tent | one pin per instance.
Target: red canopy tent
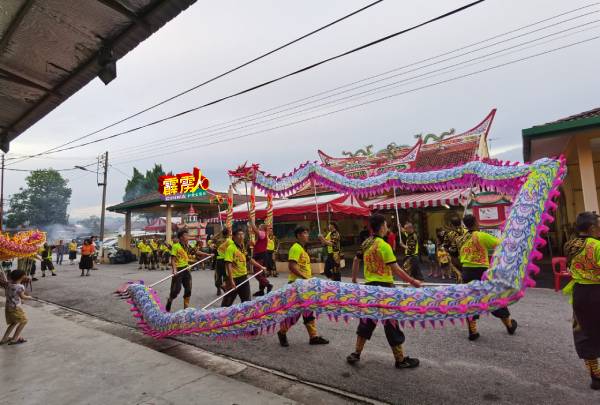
(158, 225)
(295, 208)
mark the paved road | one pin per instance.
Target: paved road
(537, 365)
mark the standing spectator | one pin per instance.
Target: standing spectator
(87, 257)
(60, 251)
(363, 235)
(391, 237)
(260, 255)
(72, 251)
(15, 315)
(431, 255)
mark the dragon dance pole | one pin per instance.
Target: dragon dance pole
(269, 218)
(397, 216)
(229, 218)
(180, 271)
(233, 289)
(317, 206)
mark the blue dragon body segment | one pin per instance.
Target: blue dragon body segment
(505, 282)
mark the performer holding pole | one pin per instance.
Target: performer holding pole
(237, 272)
(583, 254)
(299, 266)
(180, 261)
(380, 265)
(260, 239)
(473, 249)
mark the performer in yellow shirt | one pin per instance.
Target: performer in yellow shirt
(299, 266)
(583, 255)
(144, 250)
(380, 265)
(473, 250)
(237, 271)
(332, 241)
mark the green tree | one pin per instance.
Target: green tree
(43, 202)
(140, 184)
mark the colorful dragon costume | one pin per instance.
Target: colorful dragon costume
(534, 187)
(21, 244)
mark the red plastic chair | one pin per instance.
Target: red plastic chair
(559, 268)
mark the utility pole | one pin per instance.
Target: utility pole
(2, 195)
(103, 184)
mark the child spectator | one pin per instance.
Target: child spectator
(434, 270)
(15, 315)
(444, 261)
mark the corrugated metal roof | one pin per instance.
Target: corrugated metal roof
(49, 49)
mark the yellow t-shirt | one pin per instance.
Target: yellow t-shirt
(443, 257)
(180, 255)
(72, 247)
(237, 258)
(474, 249)
(271, 244)
(586, 264)
(153, 245)
(298, 254)
(378, 256)
(222, 248)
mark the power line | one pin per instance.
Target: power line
(277, 79)
(264, 55)
(383, 98)
(386, 87)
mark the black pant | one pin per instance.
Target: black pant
(220, 273)
(475, 273)
(332, 268)
(243, 291)
(586, 322)
(411, 266)
(47, 265)
(144, 259)
(182, 279)
(393, 333)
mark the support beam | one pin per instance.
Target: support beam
(168, 227)
(588, 178)
(14, 25)
(115, 5)
(23, 81)
(127, 241)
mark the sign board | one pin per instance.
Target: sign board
(183, 185)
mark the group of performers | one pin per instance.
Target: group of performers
(464, 247)
(154, 254)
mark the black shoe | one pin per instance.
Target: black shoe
(474, 336)
(407, 363)
(43, 274)
(259, 293)
(269, 288)
(595, 385)
(275, 275)
(82, 274)
(53, 274)
(353, 358)
(282, 339)
(318, 340)
(513, 327)
(34, 279)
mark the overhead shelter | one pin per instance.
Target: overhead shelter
(331, 204)
(454, 198)
(50, 49)
(155, 203)
(577, 137)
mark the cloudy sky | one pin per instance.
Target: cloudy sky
(211, 37)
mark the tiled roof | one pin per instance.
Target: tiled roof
(586, 114)
(440, 155)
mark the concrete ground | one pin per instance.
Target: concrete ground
(537, 365)
(66, 363)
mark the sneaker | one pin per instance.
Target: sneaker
(353, 358)
(259, 293)
(43, 274)
(34, 279)
(407, 363)
(53, 274)
(595, 385)
(474, 336)
(282, 339)
(318, 340)
(269, 288)
(511, 330)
